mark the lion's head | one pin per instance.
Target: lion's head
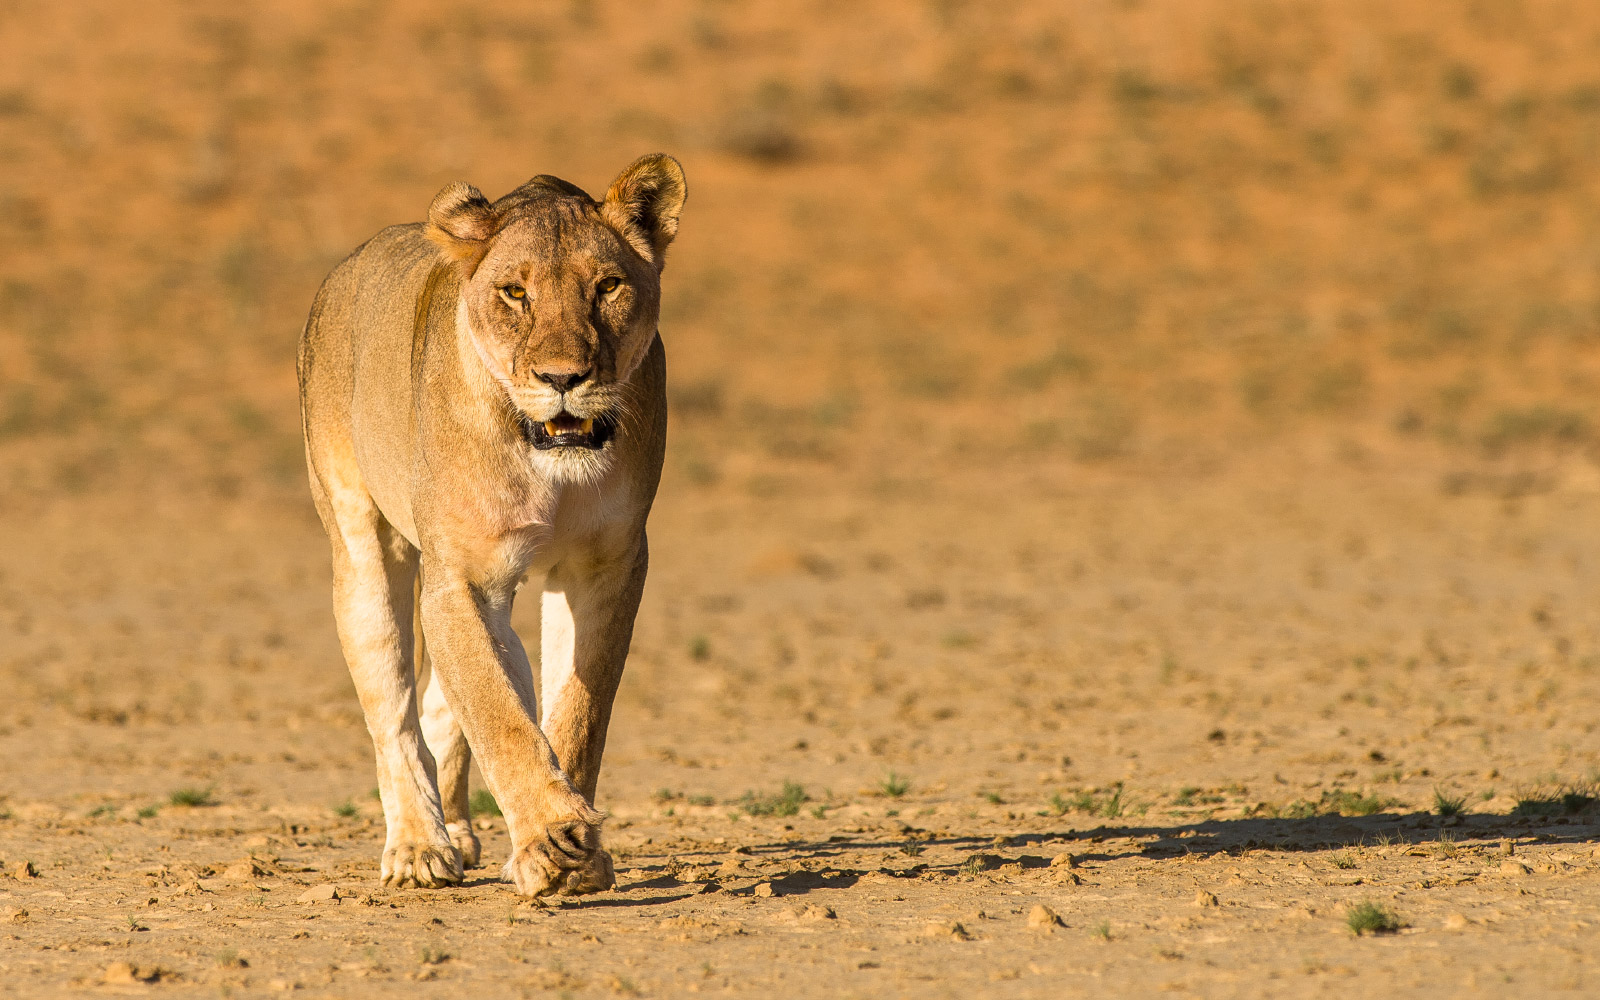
(561, 296)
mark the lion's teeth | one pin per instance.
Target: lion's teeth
(550, 428)
(588, 425)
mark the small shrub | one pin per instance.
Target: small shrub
(1372, 918)
(1509, 428)
(192, 797)
(699, 648)
(894, 785)
(1448, 805)
(1343, 861)
(346, 809)
(1565, 799)
(1101, 930)
(786, 803)
(1336, 802)
(1109, 806)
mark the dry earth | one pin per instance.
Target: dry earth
(1134, 460)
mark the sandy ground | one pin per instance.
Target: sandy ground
(1132, 499)
(1107, 696)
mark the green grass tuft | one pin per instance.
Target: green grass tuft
(1109, 805)
(1448, 805)
(1561, 800)
(894, 785)
(346, 809)
(785, 803)
(1372, 918)
(192, 797)
(1337, 802)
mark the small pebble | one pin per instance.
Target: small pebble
(318, 894)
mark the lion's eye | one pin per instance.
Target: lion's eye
(608, 285)
(514, 291)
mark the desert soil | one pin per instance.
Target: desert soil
(1132, 499)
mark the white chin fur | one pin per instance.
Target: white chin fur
(571, 465)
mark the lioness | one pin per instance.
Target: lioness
(484, 404)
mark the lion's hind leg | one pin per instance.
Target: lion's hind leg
(449, 746)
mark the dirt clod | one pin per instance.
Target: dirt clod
(1041, 917)
(318, 894)
(1203, 898)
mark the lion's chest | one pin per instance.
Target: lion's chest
(585, 522)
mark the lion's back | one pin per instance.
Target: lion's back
(355, 361)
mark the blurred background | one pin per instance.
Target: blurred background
(1105, 231)
(969, 300)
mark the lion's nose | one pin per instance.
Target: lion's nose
(562, 381)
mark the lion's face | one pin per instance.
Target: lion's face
(561, 297)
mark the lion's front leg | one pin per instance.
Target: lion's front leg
(586, 623)
(484, 674)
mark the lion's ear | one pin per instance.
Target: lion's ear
(460, 222)
(644, 202)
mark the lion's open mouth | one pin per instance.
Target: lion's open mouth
(567, 431)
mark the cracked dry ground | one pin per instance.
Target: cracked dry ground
(860, 767)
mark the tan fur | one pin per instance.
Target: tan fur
(423, 374)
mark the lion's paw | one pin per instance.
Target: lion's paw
(421, 866)
(466, 842)
(560, 849)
